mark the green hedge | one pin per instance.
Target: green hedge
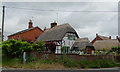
(116, 49)
(15, 48)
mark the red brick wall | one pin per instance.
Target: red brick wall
(28, 35)
(97, 38)
(74, 56)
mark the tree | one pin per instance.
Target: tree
(15, 48)
(39, 47)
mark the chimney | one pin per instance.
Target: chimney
(53, 24)
(109, 37)
(30, 24)
(44, 28)
(117, 37)
(96, 34)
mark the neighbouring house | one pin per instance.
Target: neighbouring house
(106, 44)
(59, 37)
(30, 34)
(82, 45)
(99, 37)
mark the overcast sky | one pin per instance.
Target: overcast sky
(101, 17)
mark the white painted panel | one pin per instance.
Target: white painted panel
(67, 41)
(58, 49)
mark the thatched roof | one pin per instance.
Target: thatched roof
(106, 44)
(82, 40)
(104, 37)
(56, 33)
(82, 43)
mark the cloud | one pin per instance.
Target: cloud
(85, 23)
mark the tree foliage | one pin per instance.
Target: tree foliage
(15, 48)
(39, 47)
(116, 49)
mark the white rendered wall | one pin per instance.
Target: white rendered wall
(65, 42)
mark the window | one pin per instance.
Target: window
(71, 37)
(58, 49)
(76, 49)
(66, 49)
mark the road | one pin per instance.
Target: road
(81, 70)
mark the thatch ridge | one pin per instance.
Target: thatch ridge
(106, 44)
(81, 43)
(56, 33)
(104, 37)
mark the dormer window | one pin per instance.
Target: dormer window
(71, 37)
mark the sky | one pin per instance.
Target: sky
(91, 18)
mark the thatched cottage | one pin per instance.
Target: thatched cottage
(106, 44)
(82, 44)
(100, 37)
(58, 37)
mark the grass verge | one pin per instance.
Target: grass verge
(62, 63)
(37, 64)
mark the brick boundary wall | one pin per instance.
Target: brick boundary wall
(50, 56)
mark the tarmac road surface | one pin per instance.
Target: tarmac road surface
(80, 70)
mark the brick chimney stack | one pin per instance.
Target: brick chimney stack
(109, 37)
(53, 24)
(96, 34)
(117, 37)
(44, 28)
(30, 24)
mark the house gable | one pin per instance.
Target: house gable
(56, 33)
(60, 36)
(95, 39)
(99, 37)
(29, 35)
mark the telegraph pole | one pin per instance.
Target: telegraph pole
(57, 17)
(3, 23)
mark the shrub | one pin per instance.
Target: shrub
(67, 61)
(10, 61)
(39, 47)
(116, 49)
(15, 48)
(107, 63)
(97, 64)
(46, 61)
(31, 59)
(85, 63)
(64, 60)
